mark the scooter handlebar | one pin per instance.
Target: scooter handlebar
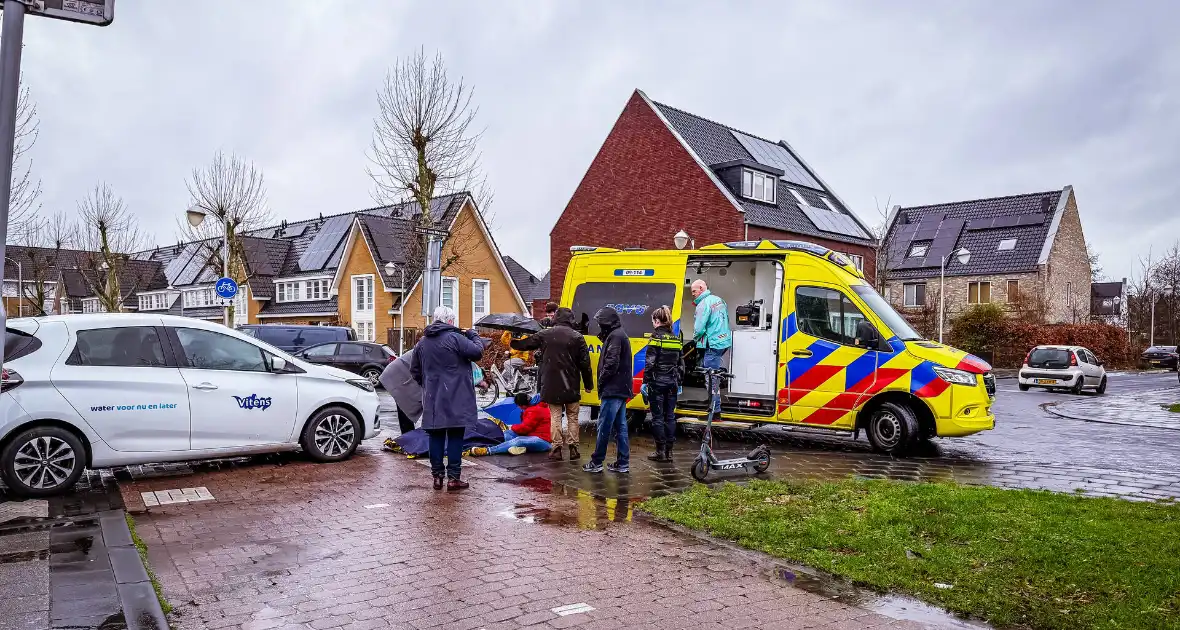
(716, 371)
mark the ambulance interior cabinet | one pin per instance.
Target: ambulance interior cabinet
(752, 362)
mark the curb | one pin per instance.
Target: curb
(141, 608)
(1050, 408)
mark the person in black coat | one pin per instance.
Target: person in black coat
(565, 362)
(663, 374)
(442, 366)
(615, 388)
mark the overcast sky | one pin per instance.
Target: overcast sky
(918, 102)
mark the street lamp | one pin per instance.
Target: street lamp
(196, 216)
(681, 239)
(20, 286)
(963, 256)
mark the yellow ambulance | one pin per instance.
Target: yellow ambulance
(813, 343)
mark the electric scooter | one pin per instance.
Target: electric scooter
(757, 461)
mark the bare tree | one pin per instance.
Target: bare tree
(25, 195)
(231, 191)
(884, 245)
(108, 233)
(1165, 280)
(424, 144)
(42, 261)
(1096, 274)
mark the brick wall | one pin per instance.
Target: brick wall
(958, 288)
(641, 189)
(1068, 286)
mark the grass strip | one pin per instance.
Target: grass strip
(143, 555)
(1174, 407)
(1016, 558)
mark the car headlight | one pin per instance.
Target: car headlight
(362, 383)
(955, 377)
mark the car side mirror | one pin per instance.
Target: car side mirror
(278, 364)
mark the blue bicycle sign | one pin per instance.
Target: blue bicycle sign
(226, 288)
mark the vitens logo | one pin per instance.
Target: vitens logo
(253, 401)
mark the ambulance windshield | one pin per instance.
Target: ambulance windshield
(890, 317)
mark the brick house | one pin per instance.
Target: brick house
(326, 270)
(64, 280)
(662, 170)
(1027, 252)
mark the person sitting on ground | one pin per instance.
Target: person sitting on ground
(531, 435)
(516, 360)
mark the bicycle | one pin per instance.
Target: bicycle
(488, 391)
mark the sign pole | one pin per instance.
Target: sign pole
(225, 267)
(11, 39)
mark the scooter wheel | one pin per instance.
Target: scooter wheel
(761, 454)
(700, 470)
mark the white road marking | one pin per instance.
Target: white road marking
(376, 505)
(181, 495)
(572, 609)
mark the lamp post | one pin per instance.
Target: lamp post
(20, 286)
(401, 308)
(682, 238)
(963, 256)
(196, 216)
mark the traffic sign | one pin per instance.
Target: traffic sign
(97, 12)
(226, 288)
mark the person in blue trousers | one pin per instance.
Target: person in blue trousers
(531, 435)
(615, 388)
(711, 329)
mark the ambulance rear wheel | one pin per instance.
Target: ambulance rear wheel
(892, 428)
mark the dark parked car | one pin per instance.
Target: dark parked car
(294, 338)
(360, 357)
(1161, 357)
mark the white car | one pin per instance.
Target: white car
(95, 391)
(1062, 367)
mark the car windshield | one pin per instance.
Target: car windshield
(1049, 356)
(891, 318)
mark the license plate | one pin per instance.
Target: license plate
(1157, 362)
(1046, 381)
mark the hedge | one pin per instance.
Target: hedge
(985, 330)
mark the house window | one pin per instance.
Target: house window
(1007, 244)
(1069, 294)
(198, 298)
(365, 331)
(758, 186)
(362, 293)
(918, 251)
(828, 202)
(798, 197)
(1013, 291)
(92, 305)
(241, 310)
(480, 299)
(450, 293)
(914, 294)
(153, 302)
(979, 292)
(302, 290)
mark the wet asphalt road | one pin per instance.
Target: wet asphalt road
(1025, 432)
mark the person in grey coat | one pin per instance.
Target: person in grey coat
(406, 392)
(441, 364)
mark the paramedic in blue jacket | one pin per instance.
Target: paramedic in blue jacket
(710, 328)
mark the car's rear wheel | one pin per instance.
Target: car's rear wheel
(1102, 386)
(331, 435)
(1077, 388)
(373, 375)
(1023, 387)
(892, 428)
(42, 461)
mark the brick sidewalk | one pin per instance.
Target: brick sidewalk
(313, 546)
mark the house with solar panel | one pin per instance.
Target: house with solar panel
(348, 269)
(1026, 252)
(661, 170)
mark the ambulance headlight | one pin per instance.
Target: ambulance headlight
(955, 377)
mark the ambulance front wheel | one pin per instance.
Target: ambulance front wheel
(892, 428)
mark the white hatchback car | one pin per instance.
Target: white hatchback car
(1062, 367)
(95, 391)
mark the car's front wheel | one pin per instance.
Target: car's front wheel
(331, 435)
(42, 461)
(892, 428)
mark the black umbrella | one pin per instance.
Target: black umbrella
(512, 322)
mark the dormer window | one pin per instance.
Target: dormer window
(758, 186)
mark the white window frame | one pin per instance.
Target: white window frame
(1010, 242)
(92, 305)
(198, 298)
(799, 198)
(915, 253)
(769, 185)
(455, 293)
(476, 311)
(241, 307)
(905, 294)
(831, 206)
(303, 290)
(153, 301)
(366, 302)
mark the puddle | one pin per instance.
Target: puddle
(898, 607)
(24, 556)
(114, 622)
(570, 506)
